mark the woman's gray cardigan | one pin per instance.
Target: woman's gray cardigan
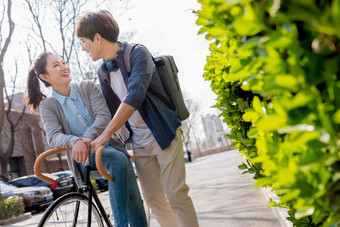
(57, 130)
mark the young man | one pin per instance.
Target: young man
(139, 101)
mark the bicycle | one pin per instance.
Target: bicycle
(73, 208)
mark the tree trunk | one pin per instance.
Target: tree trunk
(3, 163)
(2, 56)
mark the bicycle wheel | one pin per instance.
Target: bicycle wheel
(71, 210)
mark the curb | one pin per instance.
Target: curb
(20, 218)
(280, 212)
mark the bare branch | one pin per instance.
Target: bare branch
(2, 56)
(2, 20)
(35, 16)
(189, 125)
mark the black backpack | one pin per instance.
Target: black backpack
(167, 70)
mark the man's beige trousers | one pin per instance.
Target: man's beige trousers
(162, 178)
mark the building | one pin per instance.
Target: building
(29, 141)
(214, 132)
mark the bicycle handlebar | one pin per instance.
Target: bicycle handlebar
(41, 157)
(47, 153)
(99, 164)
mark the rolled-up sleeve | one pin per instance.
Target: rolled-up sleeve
(142, 68)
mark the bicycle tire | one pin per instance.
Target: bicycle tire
(62, 212)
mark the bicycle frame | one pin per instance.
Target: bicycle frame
(93, 195)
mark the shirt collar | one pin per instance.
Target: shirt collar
(61, 99)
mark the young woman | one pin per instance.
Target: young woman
(73, 116)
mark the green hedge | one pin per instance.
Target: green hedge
(12, 206)
(275, 68)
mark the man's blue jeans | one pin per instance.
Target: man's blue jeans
(126, 202)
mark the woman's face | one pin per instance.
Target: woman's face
(57, 71)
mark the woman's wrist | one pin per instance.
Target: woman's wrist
(77, 140)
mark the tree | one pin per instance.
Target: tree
(190, 124)
(62, 15)
(4, 155)
(13, 126)
(3, 50)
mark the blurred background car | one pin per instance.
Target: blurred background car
(102, 183)
(61, 185)
(67, 173)
(34, 197)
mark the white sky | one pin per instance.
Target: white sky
(168, 27)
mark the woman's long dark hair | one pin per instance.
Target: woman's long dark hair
(34, 95)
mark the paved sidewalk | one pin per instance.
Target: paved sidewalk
(223, 197)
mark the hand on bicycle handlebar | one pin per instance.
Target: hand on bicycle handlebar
(87, 141)
(99, 141)
(80, 150)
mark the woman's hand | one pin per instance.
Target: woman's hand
(87, 141)
(80, 150)
(100, 140)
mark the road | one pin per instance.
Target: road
(222, 196)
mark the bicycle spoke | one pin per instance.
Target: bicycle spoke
(71, 210)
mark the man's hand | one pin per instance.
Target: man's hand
(122, 115)
(101, 140)
(80, 151)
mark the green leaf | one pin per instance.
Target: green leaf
(216, 31)
(250, 116)
(252, 132)
(257, 105)
(238, 65)
(278, 40)
(243, 166)
(263, 182)
(290, 196)
(244, 27)
(244, 172)
(336, 117)
(272, 203)
(234, 143)
(310, 160)
(287, 81)
(303, 213)
(301, 99)
(271, 123)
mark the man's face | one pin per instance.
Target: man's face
(91, 47)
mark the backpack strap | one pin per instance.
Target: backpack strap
(104, 76)
(127, 55)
